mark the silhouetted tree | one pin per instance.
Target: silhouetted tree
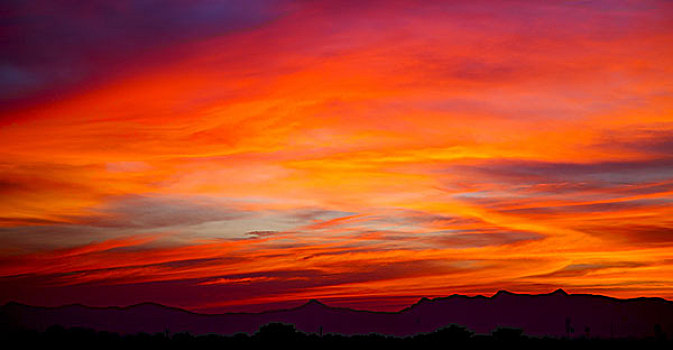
(453, 333)
(505, 334)
(278, 335)
(277, 332)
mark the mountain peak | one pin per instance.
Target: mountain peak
(502, 293)
(314, 303)
(559, 291)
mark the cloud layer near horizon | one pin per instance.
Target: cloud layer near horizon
(243, 155)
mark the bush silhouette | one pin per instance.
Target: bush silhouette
(281, 335)
(447, 335)
(277, 332)
(505, 334)
(454, 332)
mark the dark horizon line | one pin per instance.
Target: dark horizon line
(500, 293)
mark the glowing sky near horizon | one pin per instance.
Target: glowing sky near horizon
(245, 155)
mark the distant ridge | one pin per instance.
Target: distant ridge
(552, 314)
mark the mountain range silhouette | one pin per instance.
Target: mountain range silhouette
(555, 314)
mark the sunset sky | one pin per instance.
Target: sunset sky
(248, 155)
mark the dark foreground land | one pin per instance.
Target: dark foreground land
(556, 314)
(285, 336)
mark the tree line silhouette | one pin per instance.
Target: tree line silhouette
(275, 335)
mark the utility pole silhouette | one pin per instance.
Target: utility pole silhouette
(612, 329)
(569, 328)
